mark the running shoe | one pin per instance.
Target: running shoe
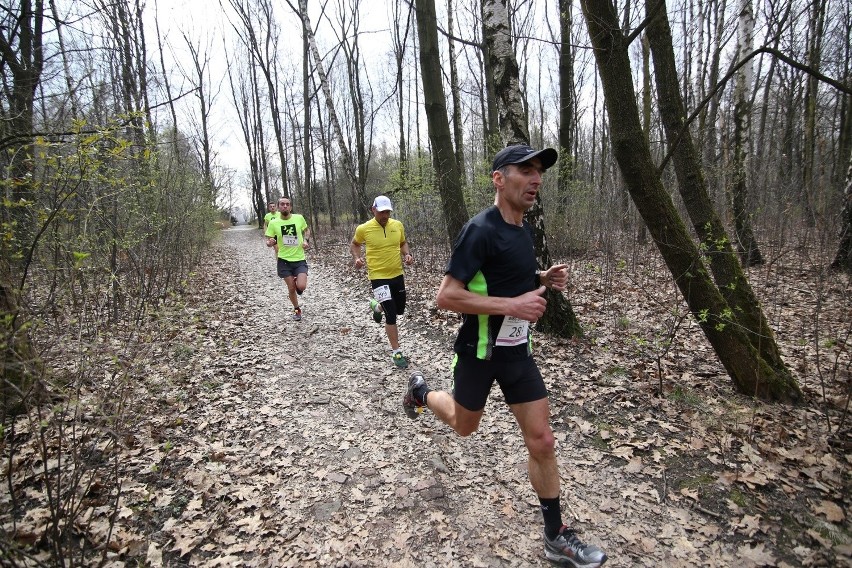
(410, 403)
(399, 360)
(377, 314)
(297, 314)
(567, 550)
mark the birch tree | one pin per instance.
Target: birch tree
(559, 318)
(746, 242)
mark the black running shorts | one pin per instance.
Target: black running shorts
(473, 378)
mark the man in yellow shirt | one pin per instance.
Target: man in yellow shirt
(386, 250)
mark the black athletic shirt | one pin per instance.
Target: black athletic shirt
(492, 258)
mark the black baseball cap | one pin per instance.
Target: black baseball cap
(521, 153)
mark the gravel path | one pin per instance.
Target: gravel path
(290, 446)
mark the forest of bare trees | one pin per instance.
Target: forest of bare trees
(718, 133)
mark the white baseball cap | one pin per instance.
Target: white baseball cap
(382, 203)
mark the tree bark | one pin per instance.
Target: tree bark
(24, 59)
(458, 127)
(749, 372)
(400, 40)
(746, 241)
(815, 33)
(448, 176)
(559, 318)
(567, 104)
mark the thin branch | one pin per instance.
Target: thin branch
(769, 50)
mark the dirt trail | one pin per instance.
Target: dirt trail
(288, 446)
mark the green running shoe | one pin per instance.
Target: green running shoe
(399, 360)
(377, 314)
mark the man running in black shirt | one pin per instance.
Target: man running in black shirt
(492, 279)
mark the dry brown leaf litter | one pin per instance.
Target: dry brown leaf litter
(265, 442)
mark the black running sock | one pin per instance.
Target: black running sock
(552, 514)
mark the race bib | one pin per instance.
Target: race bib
(289, 240)
(514, 331)
(382, 293)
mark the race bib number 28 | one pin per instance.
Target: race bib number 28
(513, 332)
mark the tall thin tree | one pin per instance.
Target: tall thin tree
(447, 174)
(739, 189)
(559, 319)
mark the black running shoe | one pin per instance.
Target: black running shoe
(567, 550)
(412, 405)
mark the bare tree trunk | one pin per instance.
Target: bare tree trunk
(458, 127)
(264, 54)
(448, 176)
(200, 62)
(567, 104)
(307, 150)
(244, 104)
(746, 242)
(400, 40)
(750, 373)
(815, 32)
(714, 16)
(24, 59)
(567, 133)
(559, 318)
(345, 154)
(361, 130)
(72, 92)
(491, 116)
(642, 231)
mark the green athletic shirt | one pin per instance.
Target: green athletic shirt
(493, 258)
(288, 235)
(383, 253)
(270, 216)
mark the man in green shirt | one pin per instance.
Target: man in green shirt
(289, 235)
(386, 250)
(271, 214)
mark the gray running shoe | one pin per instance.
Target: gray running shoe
(567, 550)
(399, 360)
(412, 405)
(377, 314)
(297, 314)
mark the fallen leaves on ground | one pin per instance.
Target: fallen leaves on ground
(260, 441)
